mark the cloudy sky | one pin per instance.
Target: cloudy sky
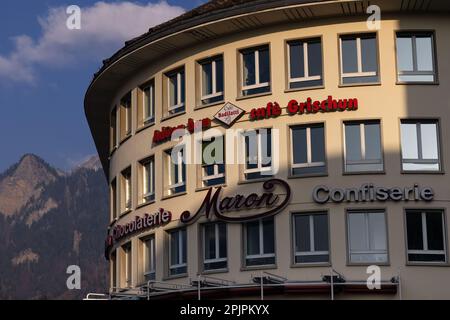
(45, 69)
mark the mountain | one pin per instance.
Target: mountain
(50, 221)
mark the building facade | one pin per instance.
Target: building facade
(334, 141)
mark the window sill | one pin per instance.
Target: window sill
(204, 106)
(143, 127)
(113, 222)
(311, 265)
(200, 189)
(367, 264)
(304, 89)
(427, 264)
(423, 172)
(349, 85)
(143, 205)
(361, 173)
(240, 98)
(178, 276)
(262, 267)
(243, 182)
(125, 213)
(125, 139)
(112, 152)
(436, 83)
(312, 175)
(174, 196)
(218, 271)
(171, 116)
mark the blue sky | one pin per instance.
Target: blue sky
(45, 69)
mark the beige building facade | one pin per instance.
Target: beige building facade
(354, 123)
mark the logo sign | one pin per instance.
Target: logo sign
(229, 114)
(268, 202)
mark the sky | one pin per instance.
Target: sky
(45, 69)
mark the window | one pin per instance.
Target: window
(146, 114)
(127, 265)
(113, 129)
(147, 189)
(176, 171)
(363, 152)
(258, 154)
(305, 63)
(114, 199)
(308, 150)
(426, 236)
(215, 246)
(125, 116)
(113, 268)
(178, 252)
(420, 145)
(149, 258)
(213, 162)
(416, 57)
(311, 238)
(359, 59)
(176, 92)
(212, 80)
(126, 190)
(260, 242)
(255, 70)
(367, 237)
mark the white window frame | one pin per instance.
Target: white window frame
(128, 116)
(148, 193)
(420, 159)
(178, 74)
(128, 265)
(359, 73)
(217, 244)
(362, 134)
(261, 254)
(425, 250)
(114, 129)
(260, 166)
(307, 77)
(171, 174)
(149, 262)
(309, 163)
(214, 93)
(148, 103)
(367, 234)
(217, 174)
(127, 195)
(180, 250)
(415, 71)
(312, 251)
(257, 84)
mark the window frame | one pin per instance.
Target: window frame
(170, 188)
(362, 142)
(152, 265)
(114, 215)
(260, 167)
(443, 213)
(143, 193)
(127, 250)
(203, 178)
(261, 254)
(258, 84)
(359, 73)
(204, 260)
(127, 113)
(126, 191)
(150, 119)
(419, 121)
(171, 110)
(113, 129)
(413, 33)
(215, 94)
(180, 253)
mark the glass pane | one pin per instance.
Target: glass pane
(353, 142)
(357, 232)
(315, 58)
(369, 54)
(321, 232)
(253, 238)
(184, 245)
(183, 86)
(318, 144)
(266, 147)
(429, 141)
(373, 141)
(435, 229)
(174, 248)
(312, 259)
(377, 231)
(414, 230)
(424, 53)
(409, 141)
(249, 68)
(416, 78)
(207, 78)
(219, 75)
(269, 236)
(302, 234)
(405, 54)
(251, 150)
(297, 60)
(222, 240)
(264, 66)
(349, 56)
(210, 241)
(173, 89)
(299, 145)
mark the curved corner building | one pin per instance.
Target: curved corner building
(334, 135)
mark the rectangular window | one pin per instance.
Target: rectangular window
(178, 252)
(148, 180)
(255, 64)
(308, 150)
(359, 59)
(363, 151)
(260, 242)
(127, 264)
(149, 258)
(148, 104)
(416, 57)
(420, 145)
(213, 162)
(212, 80)
(125, 116)
(305, 63)
(258, 154)
(311, 238)
(176, 92)
(113, 260)
(426, 236)
(367, 237)
(114, 214)
(126, 190)
(176, 171)
(214, 246)
(113, 129)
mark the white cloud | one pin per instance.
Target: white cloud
(104, 28)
